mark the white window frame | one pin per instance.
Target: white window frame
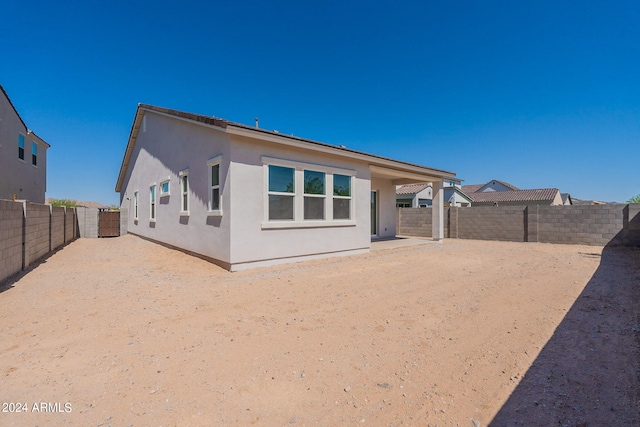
(322, 196)
(21, 140)
(217, 160)
(153, 203)
(184, 174)
(135, 205)
(349, 197)
(34, 154)
(298, 195)
(167, 181)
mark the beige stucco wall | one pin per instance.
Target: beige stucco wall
(26, 181)
(252, 240)
(242, 236)
(386, 206)
(165, 147)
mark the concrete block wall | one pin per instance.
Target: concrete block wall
(70, 225)
(29, 231)
(88, 222)
(491, 223)
(11, 219)
(37, 230)
(124, 221)
(57, 227)
(591, 224)
(610, 224)
(631, 224)
(414, 222)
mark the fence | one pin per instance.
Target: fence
(29, 231)
(612, 224)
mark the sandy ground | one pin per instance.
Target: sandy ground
(124, 332)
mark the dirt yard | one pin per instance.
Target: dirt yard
(124, 332)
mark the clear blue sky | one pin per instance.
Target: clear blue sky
(538, 94)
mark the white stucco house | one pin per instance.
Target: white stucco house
(23, 157)
(420, 195)
(242, 196)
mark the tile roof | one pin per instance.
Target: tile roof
(472, 188)
(411, 188)
(541, 194)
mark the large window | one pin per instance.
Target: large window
(34, 154)
(281, 193)
(21, 146)
(307, 195)
(341, 196)
(152, 202)
(314, 194)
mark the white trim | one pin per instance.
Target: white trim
(279, 224)
(217, 160)
(168, 193)
(303, 165)
(153, 203)
(184, 174)
(136, 205)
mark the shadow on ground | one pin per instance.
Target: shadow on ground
(588, 374)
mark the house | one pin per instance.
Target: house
(420, 195)
(500, 193)
(242, 196)
(23, 157)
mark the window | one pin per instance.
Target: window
(184, 192)
(152, 201)
(214, 185)
(21, 147)
(165, 187)
(314, 194)
(34, 153)
(301, 194)
(341, 196)
(281, 193)
(135, 205)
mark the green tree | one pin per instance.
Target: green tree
(635, 199)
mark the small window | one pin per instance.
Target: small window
(34, 153)
(152, 201)
(314, 195)
(341, 197)
(215, 188)
(281, 192)
(135, 205)
(184, 192)
(165, 187)
(21, 147)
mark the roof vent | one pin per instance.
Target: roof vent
(257, 120)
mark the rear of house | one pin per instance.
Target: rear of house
(243, 196)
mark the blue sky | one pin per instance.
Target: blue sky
(538, 94)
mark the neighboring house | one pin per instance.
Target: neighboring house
(575, 201)
(241, 196)
(420, 195)
(23, 157)
(414, 195)
(502, 193)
